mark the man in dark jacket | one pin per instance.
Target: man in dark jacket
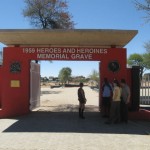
(82, 100)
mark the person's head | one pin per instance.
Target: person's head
(116, 83)
(105, 80)
(123, 82)
(81, 84)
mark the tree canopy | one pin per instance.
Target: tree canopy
(142, 60)
(139, 60)
(64, 74)
(147, 54)
(144, 6)
(147, 47)
(135, 59)
(48, 14)
(94, 76)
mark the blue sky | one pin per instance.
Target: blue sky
(87, 14)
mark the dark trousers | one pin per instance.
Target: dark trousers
(115, 111)
(124, 111)
(106, 103)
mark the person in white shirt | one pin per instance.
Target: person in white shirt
(115, 105)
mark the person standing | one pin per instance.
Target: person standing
(125, 99)
(115, 105)
(82, 100)
(106, 98)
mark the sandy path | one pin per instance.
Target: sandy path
(65, 99)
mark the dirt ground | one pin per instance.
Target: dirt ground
(65, 99)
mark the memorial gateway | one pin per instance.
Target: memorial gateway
(19, 78)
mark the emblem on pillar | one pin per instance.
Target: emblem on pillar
(114, 66)
(15, 67)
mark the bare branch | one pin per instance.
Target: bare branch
(50, 14)
(145, 6)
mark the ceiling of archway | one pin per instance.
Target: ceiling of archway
(77, 37)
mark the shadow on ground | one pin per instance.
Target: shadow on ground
(68, 121)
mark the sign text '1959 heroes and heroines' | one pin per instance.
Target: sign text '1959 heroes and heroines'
(64, 53)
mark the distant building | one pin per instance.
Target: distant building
(146, 77)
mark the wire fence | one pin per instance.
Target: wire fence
(145, 90)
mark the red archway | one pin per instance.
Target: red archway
(15, 71)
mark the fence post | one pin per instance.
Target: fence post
(135, 89)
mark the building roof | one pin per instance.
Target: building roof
(76, 37)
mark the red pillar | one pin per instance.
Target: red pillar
(15, 86)
(118, 55)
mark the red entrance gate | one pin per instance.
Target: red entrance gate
(15, 72)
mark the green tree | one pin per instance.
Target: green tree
(64, 75)
(48, 14)
(94, 76)
(144, 6)
(137, 60)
